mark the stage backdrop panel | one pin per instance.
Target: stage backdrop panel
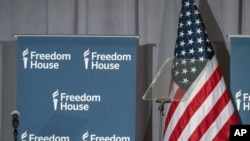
(240, 75)
(76, 88)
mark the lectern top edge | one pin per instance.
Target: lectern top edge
(73, 35)
(238, 36)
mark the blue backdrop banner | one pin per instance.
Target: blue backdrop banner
(240, 75)
(76, 88)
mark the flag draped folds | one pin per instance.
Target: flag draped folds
(208, 112)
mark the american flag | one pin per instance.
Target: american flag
(207, 111)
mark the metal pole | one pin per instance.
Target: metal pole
(240, 17)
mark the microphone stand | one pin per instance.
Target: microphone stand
(15, 124)
(161, 102)
(15, 133)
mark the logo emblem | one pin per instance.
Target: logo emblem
(238, 100)
(85, 136)
(86, 59)
(24, 136)
(25, 58)
(55, 100)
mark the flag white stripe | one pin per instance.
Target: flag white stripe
(204, 109)
(182, 105)
(173, 91)
(219, 122)
(171, 95)
(180, 110)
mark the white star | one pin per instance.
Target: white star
(181, 34)
(183, 61)
(199, 40)
(200, 50)
(193, 69)
(184, 71)
(187, 4)
(192, 60)
(190, 32)
(188, 13)
(181, 15)
(190, 41)
(198, 21)
(196, 12)
(201, 59)
(189, 22)
(176, 63)
(208, 41)
(191, 51)
(180, 25)
(183, 52)
(198, 31)
(176, 72)
(173, 66)
(209, 49)
(182, 43)
(185, 80)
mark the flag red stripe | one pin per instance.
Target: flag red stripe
(172, 109)
(178, 95)
(196, 103)
(210, 117)
(224, 133)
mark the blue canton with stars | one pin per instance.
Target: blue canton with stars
(193, 48)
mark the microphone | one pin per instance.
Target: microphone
(15, 122)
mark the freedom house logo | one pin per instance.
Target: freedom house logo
(242, 101)
(25, 136)
(69, 102)
(39, 60)
(100, 61)
(93, 137)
